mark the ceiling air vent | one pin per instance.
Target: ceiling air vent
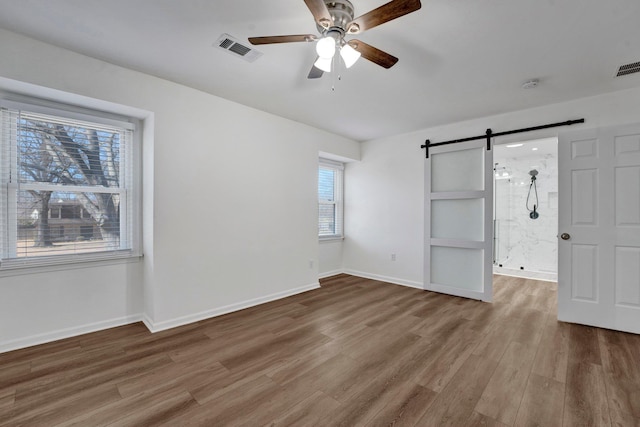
(628, 69)
(233, 46)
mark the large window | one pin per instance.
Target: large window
(68, 187)
(330, 199)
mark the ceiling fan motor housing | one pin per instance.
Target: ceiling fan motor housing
(341, 12)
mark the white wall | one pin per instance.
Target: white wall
(40, 307)
(384, 212)
(330, 258)
(230, 206)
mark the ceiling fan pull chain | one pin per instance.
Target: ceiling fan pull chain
(337, 68)
(333, 75)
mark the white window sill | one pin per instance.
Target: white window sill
(330, 238)
(63, 265)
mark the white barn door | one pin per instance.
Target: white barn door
(599, 228)
(459, 220)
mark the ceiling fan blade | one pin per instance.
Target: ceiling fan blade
(385, 13)
(315, 72)
(320, 12)
(373, 54)
(282, 39)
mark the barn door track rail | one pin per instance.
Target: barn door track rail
(489, 134)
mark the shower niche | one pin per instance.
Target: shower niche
(526, 209)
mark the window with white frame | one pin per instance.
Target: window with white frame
(69, 186)
(330, 181)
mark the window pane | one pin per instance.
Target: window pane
(330, 177)
(327, 219)
(53, 151)
(326, 184)
(56, 223)
(68, 188)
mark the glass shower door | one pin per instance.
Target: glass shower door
(501, 214)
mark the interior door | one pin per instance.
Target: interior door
(459, 220)
(599, 227)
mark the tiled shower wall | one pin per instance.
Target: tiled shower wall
(524, 246)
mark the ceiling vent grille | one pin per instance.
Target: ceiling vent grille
(231, 45)
(628, 69)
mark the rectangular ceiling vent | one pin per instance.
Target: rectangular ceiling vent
(233, 46)
(628, 69)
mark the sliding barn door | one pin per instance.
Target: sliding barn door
(599, 227)
(459, 220)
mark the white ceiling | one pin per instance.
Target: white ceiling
(459, 59)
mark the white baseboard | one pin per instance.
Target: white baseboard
(196, 317)
(67, 333)
(147, 322)
(330, 273)
(394, 280)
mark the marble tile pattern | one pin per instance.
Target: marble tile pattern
(520, 240)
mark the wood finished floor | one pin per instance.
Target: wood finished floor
(355, 352)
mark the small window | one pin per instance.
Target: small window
(70, 212)
(54, 212)
(86, 231)
(68, 189)
(330, 177)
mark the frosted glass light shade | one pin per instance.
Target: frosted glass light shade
(349, 55)
(323, 64)
(326, 47)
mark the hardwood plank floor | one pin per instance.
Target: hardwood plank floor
(354, 352)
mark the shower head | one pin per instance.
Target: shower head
(533, 172)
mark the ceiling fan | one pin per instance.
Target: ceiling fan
(334, 21)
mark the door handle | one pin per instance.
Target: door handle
(565, 236)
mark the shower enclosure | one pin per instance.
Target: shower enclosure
(525, 242)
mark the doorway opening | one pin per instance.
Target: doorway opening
(525, 210)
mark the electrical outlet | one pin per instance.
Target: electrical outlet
(393, 257)
(310, 263)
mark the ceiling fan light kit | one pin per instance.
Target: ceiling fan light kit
(349, 55)
(326, 47)
(326, 50)
(334, 20)
(323, 64)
